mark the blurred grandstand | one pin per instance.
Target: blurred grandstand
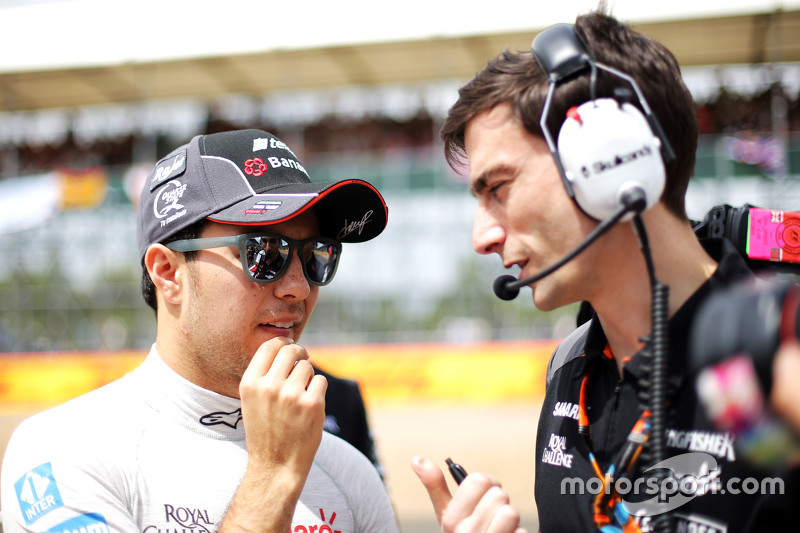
(69, 176)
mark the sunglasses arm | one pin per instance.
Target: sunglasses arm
(192, 245)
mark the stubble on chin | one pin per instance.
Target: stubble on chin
(221, 368)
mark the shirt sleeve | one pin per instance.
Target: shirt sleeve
(363, 487)
(54, 482)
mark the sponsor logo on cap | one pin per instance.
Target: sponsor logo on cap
(259, 208)
(169, 168)
(167, 199)
(265, 143)
(260, 144)
(255, 167)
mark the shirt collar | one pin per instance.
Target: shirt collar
(731, 268)
(198, 409)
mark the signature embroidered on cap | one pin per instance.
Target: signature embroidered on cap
(356, 225)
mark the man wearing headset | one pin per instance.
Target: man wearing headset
(592, 423)
(221, 427)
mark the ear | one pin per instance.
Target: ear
(165, 267)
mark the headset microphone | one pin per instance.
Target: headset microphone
(505, 287)
(633, 200)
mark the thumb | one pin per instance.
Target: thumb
(433, 480)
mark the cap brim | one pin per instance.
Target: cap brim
(347, 210)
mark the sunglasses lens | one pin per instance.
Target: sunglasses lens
(319, 260)
(267, 257)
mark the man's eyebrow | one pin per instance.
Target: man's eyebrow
(479, 184)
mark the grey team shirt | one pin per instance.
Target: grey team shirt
(152, 452)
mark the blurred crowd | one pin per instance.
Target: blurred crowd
(731, 113)
(727, 113)
(327, 135)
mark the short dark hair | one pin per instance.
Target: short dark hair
(516, 78)
(148, 287)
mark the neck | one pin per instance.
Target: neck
(623, 300)
(179, 351)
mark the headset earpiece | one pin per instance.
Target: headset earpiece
(607, 147)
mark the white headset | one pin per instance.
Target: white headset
(606, 146)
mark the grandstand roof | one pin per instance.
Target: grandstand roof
(67, 53)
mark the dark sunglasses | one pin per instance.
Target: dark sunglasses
(266, 256)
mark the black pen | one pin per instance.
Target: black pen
(456, 470)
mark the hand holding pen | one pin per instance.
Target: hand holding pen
(479, 504)
(456, 470)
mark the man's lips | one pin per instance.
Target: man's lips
(281, 325)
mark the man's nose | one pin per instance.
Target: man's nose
(488, 235)
(293, 284)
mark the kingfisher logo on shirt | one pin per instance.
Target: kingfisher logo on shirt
(719, 444)
(37, 493)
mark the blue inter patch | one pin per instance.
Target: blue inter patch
(37, 493)
(85, 523)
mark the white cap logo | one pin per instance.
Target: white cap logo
(168, 198)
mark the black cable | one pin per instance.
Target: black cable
(656, 367)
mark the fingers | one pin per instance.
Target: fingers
(318, 385)
(283, 408)
(479, 504)
(785, 396)
(432, 478)
(494, 512)
(278, 359)
(265, 356)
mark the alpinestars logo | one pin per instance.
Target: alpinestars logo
(227, 419)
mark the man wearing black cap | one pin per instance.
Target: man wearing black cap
(221, 427)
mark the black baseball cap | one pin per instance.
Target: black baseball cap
(250, 177)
